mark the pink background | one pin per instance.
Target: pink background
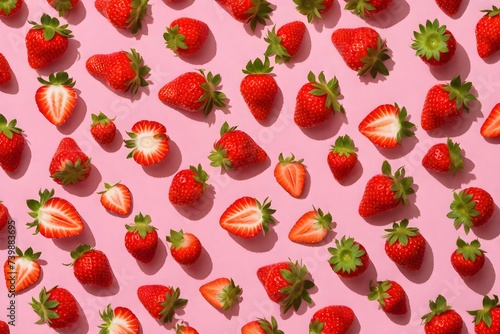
(229, 46)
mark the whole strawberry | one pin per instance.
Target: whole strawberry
(11, 7)
(316, 101)
(262, 326)
(185, 248)
(434, 44)
(342, 157)
(471, 207)
(149, 142)
(487, 38)
(102, 129)
(334, 319)
(4, 327)
(442, 319)
(11, 145)
(349, 258)
(405, 245)
(193, 91)
(286, 42)
(449, 7)
(258, 88)
(161, 301)
(188, 185)
(121, 71)
(5, 70)
(63, 6)
(442, 158)
(56, 307)
(186, 36)
(391, 297)
(141, 239)
(123, 14)
(91, 266)
(367, 8)
(248, 11)
(69, 164)
(4, 216)
(313, 9)
(468, 259)
(46, 41)
(487, 320)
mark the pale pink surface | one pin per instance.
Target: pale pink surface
(229, 47)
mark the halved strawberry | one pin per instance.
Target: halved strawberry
(54, 217)
(491, 126)
(386, 125)
(149, 142)
(116, 198)
(221, 293)
(312, 227)
(121, 320)
(56, 99)
(246, 217)
(22, 270)
(290, 174)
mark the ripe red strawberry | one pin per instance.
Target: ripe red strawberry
(248, 11)
(63, 6)
(487, 320)
(4, 216)
(11, 145)
(69, 165)
(121, 71)
(221, 293)
(54, 217)
(235, 149)
(286, 42)
(444, 103)
(312, 227)
(443, 157)
(116, 198)
(184, 329)
(313, 9)
(22, 271)
(491, 126)
(449, 7)
(384, 192)
(246, 217)
(487, 38)
(11, 7)
(188, 185)
(386, 126)
(349, 258)
(316, 101)
(186, 36)
(362, 50)
(262, 326)
(342, 157)
(367, 8)
(391, 297)
(286, 284)
(193, 91)
(57, 98)
(442, 318)
(258, 88)
(4, 328)
(5, 70)
(103, 129)
(141, 239)
(185, 248)
(57, 307)
(471, 207)
(468, 258)
(149, 142)
(434, 44)
(405, 245)
(123, 14)
(91, 266)
(335, 319)
(161, 301)
(121, 320)
(46, 41)
(291, 175)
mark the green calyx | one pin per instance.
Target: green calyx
(457, 160)
(322, 220)
(211, 96)
(430, 40)
(484, 315)
(330, 89)
(401, 185)
(141, 225)
(258, 13)
(344, 146)
(108, 186)
(494, 11)
(437, 307)
(270, 327)
(462, 210)
(28, 254)
(296, 291)
(360, 7)
(316, 327)
(470, 251)
(62, 6)
(72, 173)
(310, 8)
(174, 39)
(266, 212)
(229, 295)
(44, 307)
(8, 129)
(176, 238)
(35, 207)
(51, 27)
(134, 21)
(200, 175)
(107, 317)
(288, 160)
(78, 253)
(258, 67)
(459, 91)
(58, 79)
(140, 70)
(406, 127)
(218, 154)
(379, 292)
(7, 5)
(346, 256)
(374, 61)
(171, 303)
(275, 47)
(101, 119)
(400, 233)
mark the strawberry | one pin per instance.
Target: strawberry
(4, 216)
(362, 50)
(468, 259)
(221, 293)
(248, 11)
(10, 7)
(4, 328)
(185, 248)
(116, 198)
(46, 41)
(11, 145)
(335, 319)
(69, 165)
(63, 6)
(449, 7)
(487, 320)
(123, 14)
(141, 239)
(91, 266)
(442, 318)
(312, 227)
(188, 185)
(258, 88)
(22, 271)
(384, 192)
(286, 284)
(391, 297)
(487, 39)
(471, 207)
(149, 142)
(316, 101)
(246, 217)
(262, 326)
(367, 8)
(102, 129)
(386, 126)
(444, 103)
(342, 157)
(184, 329)
(235, 149)
(434, 44)
(57, 307)
(405, 245)
(5, 70)
(313, 9)
(121, 71)
(161, 301)
(193, 91)
(54, 217)
(186, 36)
(285, 43)
(120, 320)
(290, 174)
(443, 157)
(491, 126)
(349, 258)
(57, 98)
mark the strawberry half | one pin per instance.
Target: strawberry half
(487, 38)
(487, 319)
(221, 293)
(286, 42)
(313, 9)
(405, 245)
(5, 70)
(349, 258)
(12, 144)
(248, 11)
(188, 185)
(334, 319)
(123, 14)
(161, 301)
(391, 297)
(91, 266)
(120, 320)
(185, 36)
(291, 175)
(186, 247)
(103, 129)
(443, 157)
(262, 326)
(141, 239)
(491, 126)
(69, 165)
(442, 318)
(149, 142)
(312, 227)
(367, 8)
(56, 307)
(471, 207)
(342, 157)
(468, 259)
(116, 198)
(10, 7)
(22, 271)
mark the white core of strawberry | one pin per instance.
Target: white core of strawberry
(56, 97)
(147, 143)
(387, 126)
(23, 268)
(119, 325)
(114, 195)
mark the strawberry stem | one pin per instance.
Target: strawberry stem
(296, 291)
(8, 129)
(430, 40)
(462, 210)
(58, 79)
(141, 225)
(330, 89)
(258, 13)
(344, 146)
(139, 8)
(400, 233)
(459, 91)
(275, 47)
(374, 62)
(437, 307)
(51, 27)
(401, 185)
(457, 160)
(379, 292)
(470, 251)
(211, 96)
(258, 67)
(140, 70)
(484, 314)
(311, 8)
(346, 256)
(361, 8)
(44, 307)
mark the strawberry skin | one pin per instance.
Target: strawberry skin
(349, 258)
(291, 175)
(123, 14)
(405, 245)
(491, 126)
(22, 270)
(186, 36)
(5, 70)
(312, 227)
(116, 198)
(149, 142)
(141, 239)
(10, 7)
(57, 307)
(313, 9)
(221, 293)
(4, 328)
(442, 318)
(103, 129)
(468, 259)
(487, 320)
(91, 266)
(487, 38)
(285, 43)
(186, 247)
(4, 216)
(367, 8)
(444, 157)
(471, 207)
(262, 326)
(121, 320)
(63, 6)
(69, 164)
(248, 11)
(12, 144)
(449, 7)
(334, 319)
(434, 44)
(391, 297)
(161, 301)
(342, 157)
(184, 329)
(188, 185)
